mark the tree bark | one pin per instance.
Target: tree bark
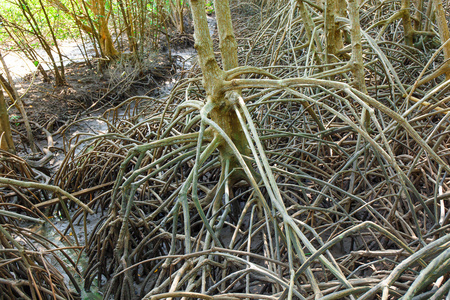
(126, 15)
(444, 33)
(330, 29)
(14, 96)
(60, 76)
(30, 17)
(407, 24)
(6, 141)
(227, 40)
(213, 77)
(356, 62)
(417, 19)
(106, 42)
(104, 36)
(12, 93)
(309, 28)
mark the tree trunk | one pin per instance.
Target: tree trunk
(12, 93)
(6, 141)
(407, 24)
(98, 7)
(341, 9)
(356, 62)
(35, 25)
(106, 42)
(309, 28)
(14, 96)
(330, 29)
(417, 19)
(126, 15)
(444, 34)
(213, 77)
(59, 75)
(227, 40)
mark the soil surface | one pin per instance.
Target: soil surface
(87, 90)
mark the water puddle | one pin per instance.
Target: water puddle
(76, 238)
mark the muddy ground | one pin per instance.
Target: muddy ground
(89, 88)
(87, 91)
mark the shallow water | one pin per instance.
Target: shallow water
(51, 233)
